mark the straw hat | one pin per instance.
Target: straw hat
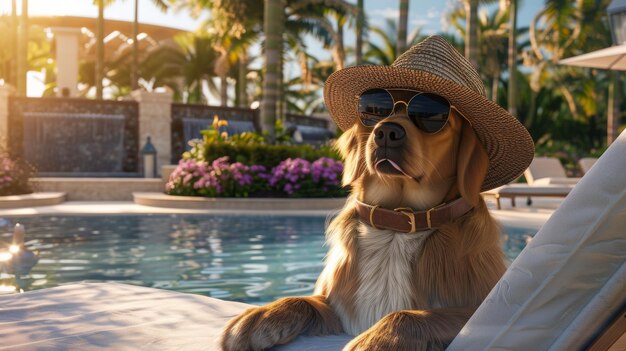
(434, 66)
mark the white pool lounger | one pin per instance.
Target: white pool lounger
(111, 316)
(570, 281)
(512, 191)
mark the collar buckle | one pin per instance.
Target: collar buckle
(409, 213)
(372, 209)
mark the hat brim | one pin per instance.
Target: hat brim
(508, 144)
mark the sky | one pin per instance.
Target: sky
(427, 14)
(423, 13)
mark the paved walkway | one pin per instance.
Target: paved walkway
(521, 216)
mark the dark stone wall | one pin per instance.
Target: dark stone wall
(182, 112)
(69, 136)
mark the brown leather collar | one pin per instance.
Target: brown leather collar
(408, 221)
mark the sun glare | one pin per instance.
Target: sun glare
(5, 256)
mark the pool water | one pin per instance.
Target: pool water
(253, 259)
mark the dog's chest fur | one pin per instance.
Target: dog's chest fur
(386, 262)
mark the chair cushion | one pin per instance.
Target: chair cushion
(556, 181)
(111, 316)
(544, 167)
(528, 190)
(586, 163)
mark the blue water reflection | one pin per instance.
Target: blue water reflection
(255, 259)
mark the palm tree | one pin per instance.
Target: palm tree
(309, 17)
(387, 51)
(185, 66)
(274, 21)
(135, 63)
(493, 30)
(318, 21)
(235, 17)
(359, 33)
(14, 42)
(512, 56)
(562, 29)
(99, 67)
(37, 55)
(22, 52)
(402, 26)
(493, 47)
(471, 32)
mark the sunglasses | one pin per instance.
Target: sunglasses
(429, 112)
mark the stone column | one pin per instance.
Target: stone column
(6, 91)
(67, 44)
(155, 121)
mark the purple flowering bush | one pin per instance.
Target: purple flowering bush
(301, 178)
(292, 177)
(218, 178)
(14, 176)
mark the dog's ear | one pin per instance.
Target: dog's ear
(348, 147)
(472, 164)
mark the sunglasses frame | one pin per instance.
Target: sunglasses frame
(406, 104)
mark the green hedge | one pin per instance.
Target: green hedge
(268, 155)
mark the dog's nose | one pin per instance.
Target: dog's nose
(390, 134)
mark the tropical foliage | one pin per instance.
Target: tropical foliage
(246, 165)
(222, 59)
(14, 175)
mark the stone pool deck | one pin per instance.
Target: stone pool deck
(520, 216)
(32, 200)
(227, 203)
(98, 189)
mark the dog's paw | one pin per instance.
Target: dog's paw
(396, 331)
(260, 328)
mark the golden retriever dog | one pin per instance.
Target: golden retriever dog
(394, 290)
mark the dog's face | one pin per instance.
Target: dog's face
(395, 164)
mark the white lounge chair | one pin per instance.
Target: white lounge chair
(586, 163)
(512, 191)
(566, 288)
(548, 171)
(545, 176)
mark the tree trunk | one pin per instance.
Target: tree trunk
(495, 83)
(612, 119)
(532, 110)
(274, 20)
(471, 31)
(359, 33)
(99, 49)
(402, 27)
(134, 75)
(22, 52)
(280, 104)
(12, 69)
(198, 99)
(242, 82)
(221, 69)
(224, 91)
(339, 54)
(512, 89)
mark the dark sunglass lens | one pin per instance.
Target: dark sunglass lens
(429, 112)
(375, 105)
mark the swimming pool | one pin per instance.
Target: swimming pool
(254, 259)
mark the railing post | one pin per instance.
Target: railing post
(155, 121)
(6, 91)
